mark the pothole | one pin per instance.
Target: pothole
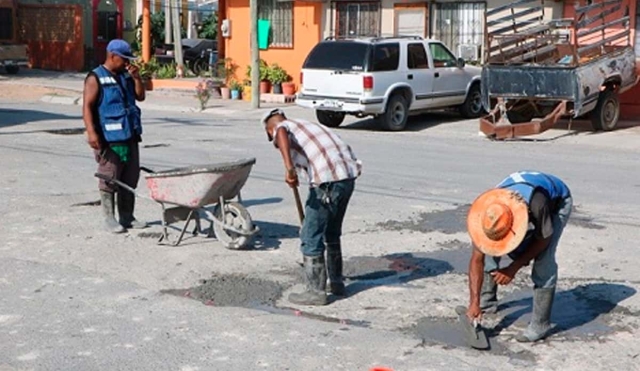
(88, 203)
(156, 145)
(445, 221)
(74, 131)
(455, 221)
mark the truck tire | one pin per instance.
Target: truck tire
(396, 114)
(472, 106)
(329, 118)
(607, 112)
(12, 70)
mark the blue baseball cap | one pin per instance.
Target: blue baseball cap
(120, 48)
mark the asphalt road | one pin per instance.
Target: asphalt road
(73, 297)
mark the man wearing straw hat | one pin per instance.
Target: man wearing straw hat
(522, 218)
(331, 168)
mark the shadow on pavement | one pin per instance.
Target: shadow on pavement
(582, 311)
(13, 117)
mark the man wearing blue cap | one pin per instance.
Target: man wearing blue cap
(114, 129)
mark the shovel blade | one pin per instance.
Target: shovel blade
(474, 335)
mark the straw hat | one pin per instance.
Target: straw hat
(498, 221)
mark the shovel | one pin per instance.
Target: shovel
(296, 195)
(474, 333)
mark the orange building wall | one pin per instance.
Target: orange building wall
(629, 100)
(307, 32)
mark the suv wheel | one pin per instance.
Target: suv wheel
(329, 118)
(12, 70)
(472, 106)
(395, 116)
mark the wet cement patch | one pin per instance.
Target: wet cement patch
(448, 334)
(74, 131)
(445, 221)
(235, 290)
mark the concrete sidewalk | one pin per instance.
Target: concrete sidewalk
(66, 88)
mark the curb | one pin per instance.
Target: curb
(59, 99)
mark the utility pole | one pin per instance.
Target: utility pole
(167, 22)
(177, 38)
(146, 31)
(255, 55)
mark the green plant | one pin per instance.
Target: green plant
(167, 71)
(264, 71)
(226, 70)
(157, 32)
(203, 92)
(235, 85)
(149, 69)
(277, 74)
(208, 29)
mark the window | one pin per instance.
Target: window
(385, 57)
(357, 19)
(441, 56)
(417, 56)
(338, 55)
(107, 26)
(6, 23)
(280, 17)
(459, 24)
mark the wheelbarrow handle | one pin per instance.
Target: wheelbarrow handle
(109, 179)
(146, 170)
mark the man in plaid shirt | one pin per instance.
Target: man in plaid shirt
(331, 169)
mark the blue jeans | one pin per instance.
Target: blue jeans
(324, 212)
(545, 268)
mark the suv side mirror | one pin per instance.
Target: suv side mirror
(461, 63)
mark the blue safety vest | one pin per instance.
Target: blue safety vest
(117, 110)
(525, 183)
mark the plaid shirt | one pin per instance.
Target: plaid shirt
(319, 152)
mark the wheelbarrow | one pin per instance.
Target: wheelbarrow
(185, 192)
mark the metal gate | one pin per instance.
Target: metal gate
(54, 35)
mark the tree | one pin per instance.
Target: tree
(208, 29)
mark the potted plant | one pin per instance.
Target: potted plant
(225, 70)
(265, 84)
(288, 87)
(277, 75)
(236, 89)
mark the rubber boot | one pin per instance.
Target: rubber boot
(126, 204)
(489, 294)
(108, 208)
(540, 318)
(334, 269)
(316, 274)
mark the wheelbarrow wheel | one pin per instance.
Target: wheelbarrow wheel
(235, 215)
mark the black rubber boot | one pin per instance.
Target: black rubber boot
(316, 274)
(489, 294)
(540, 318)
(334, 269)
(126, 204)
(108, 209)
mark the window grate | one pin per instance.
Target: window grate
(280, 16)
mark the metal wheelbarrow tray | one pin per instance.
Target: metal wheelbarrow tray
(185, 192)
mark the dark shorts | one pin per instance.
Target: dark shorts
(109, 164)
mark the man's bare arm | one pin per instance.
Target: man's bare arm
(536, 247)
(90, 99)
(476, 276)
(282, 139)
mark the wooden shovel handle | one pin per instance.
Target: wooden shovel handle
(296, 195)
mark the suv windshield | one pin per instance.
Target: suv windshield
(338, 55)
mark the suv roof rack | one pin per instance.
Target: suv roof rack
(375, 38)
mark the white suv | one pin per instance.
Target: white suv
(388, 78)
